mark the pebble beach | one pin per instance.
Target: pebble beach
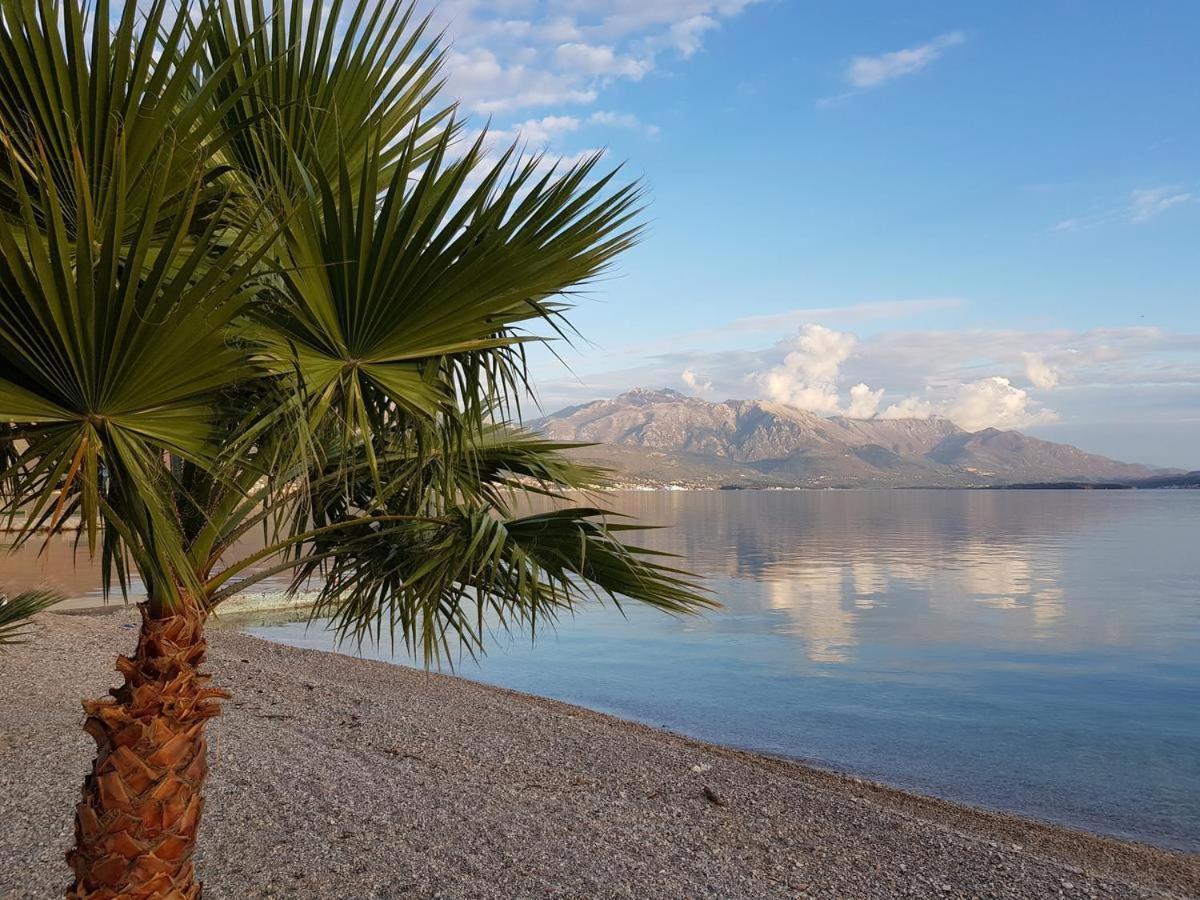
(336, 777)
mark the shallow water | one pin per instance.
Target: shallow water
(1037, 652)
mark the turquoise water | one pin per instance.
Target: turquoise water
(1037, 652)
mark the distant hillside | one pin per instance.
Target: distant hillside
(1182, 480)
(663, 436)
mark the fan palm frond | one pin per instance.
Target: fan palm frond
(319, 82)
(78, 89)
(18, 609)
(446, 584)
(115, 348)
(417, 302)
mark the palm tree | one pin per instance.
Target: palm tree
(17, 610)
(253, 279)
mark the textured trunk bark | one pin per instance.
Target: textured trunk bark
(135, 828)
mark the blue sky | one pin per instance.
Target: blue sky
(988, 211)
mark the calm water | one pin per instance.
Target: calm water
(1029, 651)
(1036, 651)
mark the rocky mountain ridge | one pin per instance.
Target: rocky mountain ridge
(662, 436)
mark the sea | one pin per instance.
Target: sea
(1036, 652)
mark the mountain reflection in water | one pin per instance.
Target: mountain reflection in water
(1034, 651)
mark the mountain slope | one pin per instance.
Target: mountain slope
(664, 436)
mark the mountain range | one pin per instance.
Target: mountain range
(659, 437)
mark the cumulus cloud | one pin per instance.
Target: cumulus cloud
(993, 402)
(627, 121)
(1136, 374)
(911, 407)
(864, 402)
(688, 35)
(807, 378)
(539, 132)
(537, 56)
(1040, 373)
(695, 382)
(620, 17)
(872, 71)
(587, 59)
(486, 84)
(560, 30)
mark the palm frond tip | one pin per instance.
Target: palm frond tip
(16, 611)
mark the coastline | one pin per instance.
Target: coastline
(339, 777)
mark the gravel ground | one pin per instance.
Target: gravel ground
(339, 778)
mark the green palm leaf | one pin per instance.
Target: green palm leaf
(320, 82)
(178, 366)
(448, 584)
(415, 296)
(17, 610)
(77, 89)
(114, 348)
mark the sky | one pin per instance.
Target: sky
(984, 211)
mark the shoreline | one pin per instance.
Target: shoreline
(820, 769)
(340, 777)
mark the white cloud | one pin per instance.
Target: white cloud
(1119, 377)
(808, 376)
(624, 17)
(1079, 223)
(484, 84)
(540, 132)
(864, 402)
(911, 407)
(688, 35)
(872, 71)
(697, 383)
(797, 318)
(1040, 373)
(627, 121)
(587, 59)
(993, 402)
(1143, 205)
(541, 55)
(1146, 203)
(560, 30)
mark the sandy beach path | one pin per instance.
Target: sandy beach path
(340, 778)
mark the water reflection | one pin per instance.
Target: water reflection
(821, 616)
(1038, 652)
(1007, 568)
(1032, 651)
(62, 562)
(826, 604)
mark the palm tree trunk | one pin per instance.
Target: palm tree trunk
(135, 828)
